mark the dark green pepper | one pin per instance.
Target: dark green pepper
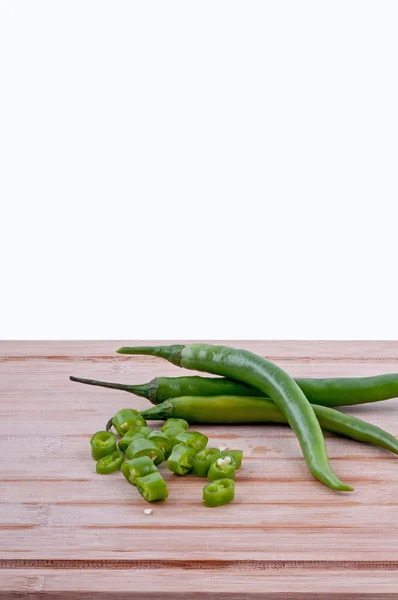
(203, 460)
(236, 454)
(218, 492)
(270, 379)
(102, 444)
(133, 434)
(175, 423)
(162, 441)
(138, 467)
(181, 459)
(192, 439)
(144, 447)
(172, 431)
(152, 487)
(126, 419)
(110, 463)
(222, 468)
(144, 430)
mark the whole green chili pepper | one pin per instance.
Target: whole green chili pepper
(218, 492)
(138, 467)
(144, 447)
(126, 419)
(241, 410)
(236, 454)
(130, 437)
(181, 459)
(162, 441)
(270, 379)
(152, 487)
(192, 439)
(102, 443)
(222, 468)
(332, 391)
(110, 463)
(203, 460)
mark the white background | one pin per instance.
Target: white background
(209, 169)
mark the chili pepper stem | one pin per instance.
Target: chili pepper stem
(160, 412)
(170, 353)
(109, 424)
(138, 390)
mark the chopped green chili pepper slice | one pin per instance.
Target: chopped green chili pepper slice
(237, 454)
(102, 444)
(144, 430)
(162, 441)
(130, 437)
(181, 459)
(138, 467)
(172, 432)
(175, 423)
(110, 463)
(152, 487)
(219, 492)
(222, 468)
(126, 419)
(193, 439)
(203, 460)
(144, 447)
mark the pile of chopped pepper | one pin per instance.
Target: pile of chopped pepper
(248, 389)
(145, 449)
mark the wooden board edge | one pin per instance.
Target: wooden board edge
(273, 349)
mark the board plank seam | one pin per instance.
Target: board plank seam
(242, 565)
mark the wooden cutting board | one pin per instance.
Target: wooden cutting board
(66, 532)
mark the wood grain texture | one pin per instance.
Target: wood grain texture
(66, 532)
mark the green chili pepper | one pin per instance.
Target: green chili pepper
(110, 463)
(172, 427)
(126, 419)
(146, 431)
(173, 423)
(241, 410)
(236, 454)
(340, 391)
(138, 467)
(222, 468)
(102, 443)
(130, 437)
(203, 460)
(270, 379)
(152, 487)
(181, 459)
(192, 439)
(218, 492)
(145, 447)
(162, 441)
(172, 431)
